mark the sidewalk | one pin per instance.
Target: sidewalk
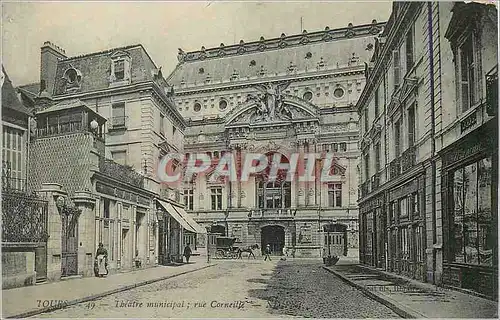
(32, 300)
(412, 299)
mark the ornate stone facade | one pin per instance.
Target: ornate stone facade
(292, 94)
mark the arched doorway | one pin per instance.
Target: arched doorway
(218, 229)
(275, 237)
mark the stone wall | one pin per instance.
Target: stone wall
(18, 266)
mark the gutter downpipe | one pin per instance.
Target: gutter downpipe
(433, 142)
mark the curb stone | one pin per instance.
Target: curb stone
(398, 308)
(100, 295)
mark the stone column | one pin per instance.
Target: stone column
(147, 234)
(51, 192)
(97, 222)
(300, 186)
(157, 231)
(84, 201)
(132, 225)
(119, 235)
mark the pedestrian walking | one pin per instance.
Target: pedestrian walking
(101, 261)
(187, 252)
(267, 253)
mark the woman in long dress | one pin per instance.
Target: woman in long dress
(101, 261)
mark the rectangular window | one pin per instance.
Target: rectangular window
(120, 69)
(367, 123)
(162, 124)
(119, 157)
(13, 152)
(335, 195)
(472, 236)
(189, 198)
(377, 102)
(467, 67)
(414, 205)
(411, 126)
(367, 166)
(393, 209)
(397, 68)
(216, 198)
(397, 138)
(118, 115)
(403, 207)
(377, 157)
(409, 50)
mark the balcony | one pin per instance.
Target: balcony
(123, 173)
(492, 92)
(284, 213)
(375, 182)
(365, 188)
(403, 163)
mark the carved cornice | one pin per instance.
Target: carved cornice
(284, 41)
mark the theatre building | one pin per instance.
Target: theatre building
(428, 205)
(279, 96)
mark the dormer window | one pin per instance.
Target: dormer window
(120, 68)
(73, 78)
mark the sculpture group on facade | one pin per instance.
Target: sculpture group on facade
(271, 106)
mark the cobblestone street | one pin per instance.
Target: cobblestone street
(238, 289)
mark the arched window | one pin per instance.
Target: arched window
(274, 195)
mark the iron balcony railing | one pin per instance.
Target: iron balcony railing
(492, 91)
(403, 163)
(123, 173)
(375, 181)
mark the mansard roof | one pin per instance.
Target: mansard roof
(95, 68)
(10, 99)
(296, 54)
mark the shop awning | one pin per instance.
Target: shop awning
(190, 220)
(182, 217)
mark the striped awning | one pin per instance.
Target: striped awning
(181, 216)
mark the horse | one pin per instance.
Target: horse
(249, 250)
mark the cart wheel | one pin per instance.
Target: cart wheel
(220, 254)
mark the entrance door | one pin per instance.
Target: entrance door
(275, 237)
(126, 256)
(69, 254)
(162, 241)
(41, 262)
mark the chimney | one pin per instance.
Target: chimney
(50, 55)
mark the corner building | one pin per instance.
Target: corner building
(429, 146)
(291, 94)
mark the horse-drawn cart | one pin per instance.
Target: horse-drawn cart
(225, 249)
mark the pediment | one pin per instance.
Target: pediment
(119, 54)
(252, 112)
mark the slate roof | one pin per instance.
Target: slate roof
(96, 69)
(303, 53)
(71, 104)
(31, 89)
(10, 100)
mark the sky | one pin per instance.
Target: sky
(161, 27)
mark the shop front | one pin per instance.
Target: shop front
(470, 206)
(405, 232)
(373, 224)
